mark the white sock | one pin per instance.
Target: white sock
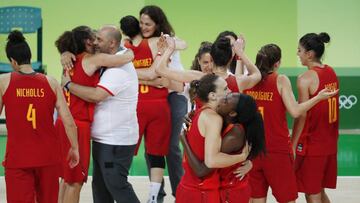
(154, 191)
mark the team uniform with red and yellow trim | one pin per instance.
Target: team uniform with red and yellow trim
(316, 160)
(276, 168)
(192, 188)
(82, 112)
(153, 110)
(32, 153)
(232, 189)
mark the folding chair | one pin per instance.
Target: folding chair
(27, 20)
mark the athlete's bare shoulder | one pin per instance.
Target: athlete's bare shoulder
(209, 116)
(211, 113)
(307, 75)
(282, 79)
(4, 76)
(306, 79)
(53, 82)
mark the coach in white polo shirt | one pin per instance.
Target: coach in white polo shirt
(115, 128)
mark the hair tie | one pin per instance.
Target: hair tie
(197, 83)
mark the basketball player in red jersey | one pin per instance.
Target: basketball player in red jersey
(81, 42)
(315, 134)
(242, 123)
(154, 115)
(32, 153)
(130, 26)
(205, 141)
(274, 97)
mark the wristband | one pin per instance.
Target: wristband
(66, 86)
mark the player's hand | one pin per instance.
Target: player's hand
(246, 150)
(243, 170)
(67, 60)
(126, 39)
(326, 93)
(187, 119)
(241, 37)
(164, 82)
(170, 42)
(73, 157)
(239, 46)
(183, 135)
(161, 44)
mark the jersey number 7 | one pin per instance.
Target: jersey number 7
(261, 110)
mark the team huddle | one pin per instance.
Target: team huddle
(122, 86)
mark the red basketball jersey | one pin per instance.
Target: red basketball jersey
(29, 107)
(321, 130)
(227, 176)
(232, 84)
(197, 145)
(273, 111)
(81, 109)
(143, 59)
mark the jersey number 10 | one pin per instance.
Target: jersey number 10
(31, 115)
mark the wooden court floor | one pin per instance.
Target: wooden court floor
(348, 190)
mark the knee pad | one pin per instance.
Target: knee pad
(156, 161)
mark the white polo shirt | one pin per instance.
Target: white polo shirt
(115, 121)
(175, 64)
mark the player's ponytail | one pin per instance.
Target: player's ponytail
(266, 58)
(324, 37)
(201, 88)
(17, 48)
(315, 42)
(250, 118)
(221, 51)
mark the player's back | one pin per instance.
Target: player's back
(143, 58)
(322, 120)
(29, 107)
(273, 111)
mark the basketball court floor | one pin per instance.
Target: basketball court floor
(348, 190)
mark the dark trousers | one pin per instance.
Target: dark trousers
(178, 106)
(111, 164)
